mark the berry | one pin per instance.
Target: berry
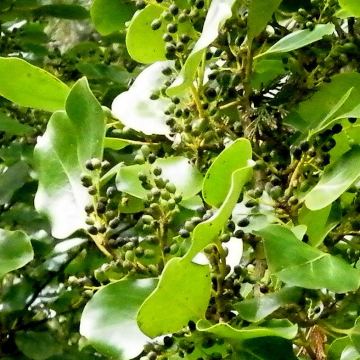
(155, 24)
(243, 222)
(174, 10)
(172, 28)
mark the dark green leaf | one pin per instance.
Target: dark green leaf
(299, 264)
(260, 307)
(11, 179)
(111, 15)
(260, 12)
(15, 251)
(63, 11)
(300, 38)
(37, 345)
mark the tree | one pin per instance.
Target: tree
(179, 179)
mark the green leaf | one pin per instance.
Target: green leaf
(177, 169)
(281, 328)
(268, 348)
(88, 119)
(217, 181)
(15, 251)
(312, 111)
(219, 11)
(135, 109)
(60, 156)
(299, 264)
(28, 85)
(118, 144)
(258, 308)
(351, 6)
(111, 15)
(207, 232)
(336, 179)
(299, 39)
(319, 222)
(354, 335)
(144, 44)
(260, 12)
(11, 179)
(266, 71)
(337, 348)
(109, 318)
(37, 345)
(167, 311)
(12, 127)
(63, 11)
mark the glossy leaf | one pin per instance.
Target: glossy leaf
(135, 109)
(319, 222)
(165, 310)
(28, 85)
(144, 44)
(217, 180)
(109, 318)
(258, 308)
(12, 179)
(311, 112)
(88, 119)
(206, 232)
(118, 144)
(260, 12)
(37, 345)
(281, 328)
(354, 335)
(177, 169)
(351, 6)
(299, 264)
(336, 179)
(61, 195)
(219, 11)
(111, 15)
(299, 39)
(63, 11)
(15, 251)
(338, 347)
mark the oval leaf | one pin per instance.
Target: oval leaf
(135, 109)
(60, 156)
(178, 170)
(111, 15)
(28, 85)
(299, 264)
(336, 179)
(260, 307)
(300, 38)
(217, 180)
(15, 251)
(109, 318)
(351, 6)
(167, 311)
(260, 12)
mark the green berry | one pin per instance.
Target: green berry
(155, 24)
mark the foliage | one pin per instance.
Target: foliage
(179, 179)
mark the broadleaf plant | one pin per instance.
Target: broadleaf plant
(179, 179)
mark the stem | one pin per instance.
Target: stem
(198, 102)
(98, 240)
